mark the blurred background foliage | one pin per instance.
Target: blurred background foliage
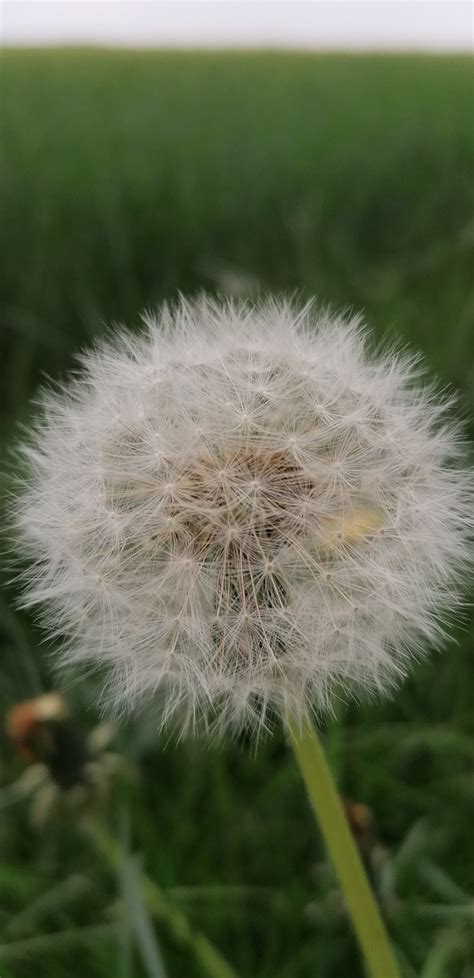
(124, 178)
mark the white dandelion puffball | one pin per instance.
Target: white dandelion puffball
(242, 510)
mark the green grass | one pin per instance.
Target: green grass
(124, 178)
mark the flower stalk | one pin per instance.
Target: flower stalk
(327, 806)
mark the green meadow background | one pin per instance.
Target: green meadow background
(125, 177)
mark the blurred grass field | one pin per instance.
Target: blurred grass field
(125, 177)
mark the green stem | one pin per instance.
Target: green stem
(205, 953)
(328, 808)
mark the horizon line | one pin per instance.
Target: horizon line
(228, 48)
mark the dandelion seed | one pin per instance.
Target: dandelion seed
(278, 513)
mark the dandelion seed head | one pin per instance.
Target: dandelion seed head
(241, 511)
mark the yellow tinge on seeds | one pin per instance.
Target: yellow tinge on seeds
(353, 528)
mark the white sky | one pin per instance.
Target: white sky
(340, 24)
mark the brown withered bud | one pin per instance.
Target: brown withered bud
(43, 730)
